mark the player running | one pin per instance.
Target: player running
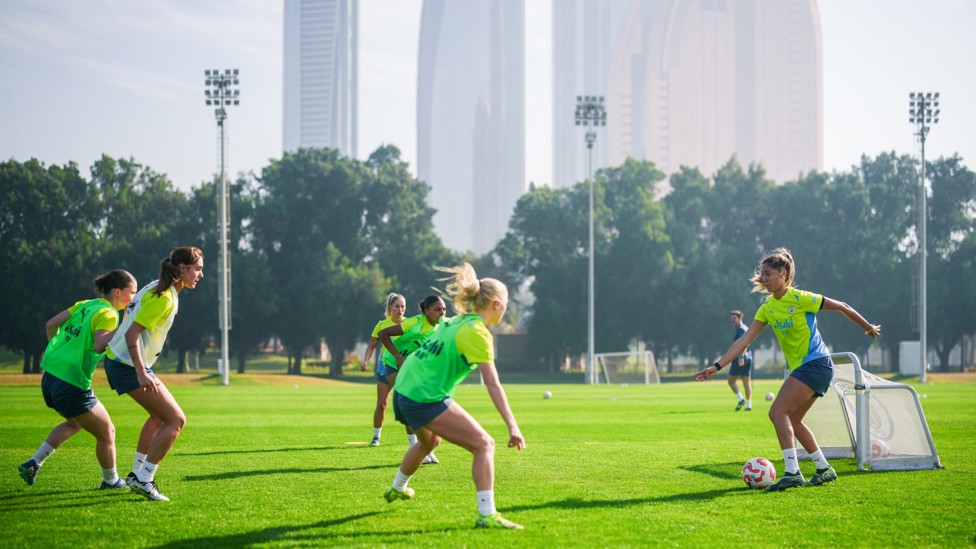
(422, 396)
(793, 314)
(77, 338)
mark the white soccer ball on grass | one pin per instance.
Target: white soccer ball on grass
(758, 473)
(769, 396)
(547, 394)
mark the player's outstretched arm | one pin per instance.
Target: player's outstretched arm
(369, 353)
(870, 330)
(500, 400)
(738, 347)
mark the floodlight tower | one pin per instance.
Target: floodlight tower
(220, 94)
(923, 110)
(590, 110)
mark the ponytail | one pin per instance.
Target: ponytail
(169, 268)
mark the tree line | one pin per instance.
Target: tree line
(318, 240)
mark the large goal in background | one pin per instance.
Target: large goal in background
(626, 367)
(878, 422)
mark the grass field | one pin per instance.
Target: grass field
(284, 465)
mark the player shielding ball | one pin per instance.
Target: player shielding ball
(793, 315)
(77, 338)
(422, 395)
(132, 353)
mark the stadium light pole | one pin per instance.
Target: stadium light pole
(590, 110)
(923, 110)
(221, 94)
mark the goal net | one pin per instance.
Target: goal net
(626, 367)
(886, 416)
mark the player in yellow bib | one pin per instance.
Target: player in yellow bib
(132, 353)
(424, 390)
(77, 338)
(402, 339)
(793, 315)
(396, 306)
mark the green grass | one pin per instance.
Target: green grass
(606, 466)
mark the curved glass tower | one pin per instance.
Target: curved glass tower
(471, 117)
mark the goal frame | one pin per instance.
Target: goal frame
(651, 374)
(861, 428)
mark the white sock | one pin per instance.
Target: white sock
(43, 453)
(412, 439)
(400, 482)
(148, 472)
(739, 395)
(377, 431)
(110, 476)
(486, 502)
(789, 457)
(748, 403)
(819, 460)
(137, 463)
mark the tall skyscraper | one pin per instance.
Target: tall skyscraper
(320, 74)
(471, 117)
(583, 34)
(694, 82)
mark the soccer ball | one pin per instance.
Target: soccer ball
(547, 394)
(758, 473)
(769, 396)
(879, 449)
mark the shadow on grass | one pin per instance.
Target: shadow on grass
(30, 500)
(577, 503)
(263, 451)
(289, 471)
(724, 471)
(301, 534)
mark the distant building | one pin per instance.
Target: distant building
(583, 36)
(320, 74)
(692, 83)
(471, 117)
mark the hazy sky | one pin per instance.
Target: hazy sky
(79, 78)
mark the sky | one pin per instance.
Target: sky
(82, 78)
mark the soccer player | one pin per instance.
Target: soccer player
(423, 393)
(741, 367)
(793, 315)
(77, 337)
(410, 335)
(132, 353)
(396, 306)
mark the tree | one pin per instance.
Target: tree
(307, 223)
(47, 218)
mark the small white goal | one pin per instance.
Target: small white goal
(626, 367)
(876, 421)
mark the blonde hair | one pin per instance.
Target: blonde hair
(470, 294)
(390, 300)
(779, 259)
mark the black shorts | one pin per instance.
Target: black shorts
(122, 377)
(417, 414)
(66, 399)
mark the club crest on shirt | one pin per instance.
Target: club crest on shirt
(792, 309)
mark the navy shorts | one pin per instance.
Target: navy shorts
(122, 377)
(816, 374)
(381, 376)
(417, 414)
(742, 371)
(66, 399)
